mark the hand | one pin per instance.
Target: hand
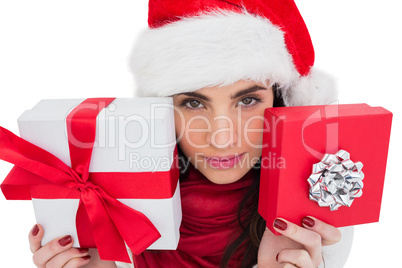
(297, 246)
(60, 253)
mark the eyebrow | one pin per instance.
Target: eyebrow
(247, 91)
(238, 94)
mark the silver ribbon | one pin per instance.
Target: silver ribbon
(336, 181)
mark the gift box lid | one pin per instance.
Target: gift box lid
(298, 137)
(133, 134)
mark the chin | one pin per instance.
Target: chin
(223, 176)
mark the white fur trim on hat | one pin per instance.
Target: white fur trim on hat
(217, 48)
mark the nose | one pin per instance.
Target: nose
(223, 132)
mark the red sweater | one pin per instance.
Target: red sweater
(209, 223)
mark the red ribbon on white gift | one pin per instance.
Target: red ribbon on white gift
(110, 221)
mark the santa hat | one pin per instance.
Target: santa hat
(201, 43)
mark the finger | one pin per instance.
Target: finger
(78, 262)
(51, 249)
(297, 257)
(63, 258)
(329, 234)
(35, 236)
(308, 238)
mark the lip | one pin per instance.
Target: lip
(224, 162)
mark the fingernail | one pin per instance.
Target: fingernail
(82, 250)
(87, 257)
(280, 224)
(35, 230)
(277, 257)
(65, 240)
(308, 222)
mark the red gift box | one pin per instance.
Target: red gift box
(296, 138)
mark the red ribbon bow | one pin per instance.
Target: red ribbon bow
(111, 222)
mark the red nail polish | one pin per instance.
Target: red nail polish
(308, 222)
(280, 224)
(35, 230)
(65, 240)
(87, 257)
(82, 250)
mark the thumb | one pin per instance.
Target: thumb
(268, 249)
(35, 237)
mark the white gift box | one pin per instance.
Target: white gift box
(132, 135)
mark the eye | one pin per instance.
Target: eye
(192, 104)
(249, 101)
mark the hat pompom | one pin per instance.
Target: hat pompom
(317, 88)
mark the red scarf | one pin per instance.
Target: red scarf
(209, 223)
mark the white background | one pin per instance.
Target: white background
(78, 49)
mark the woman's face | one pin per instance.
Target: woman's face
(219, 129)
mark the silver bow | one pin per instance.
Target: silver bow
(336, 181)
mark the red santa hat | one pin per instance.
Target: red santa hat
(191, 44)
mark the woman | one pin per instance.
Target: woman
(224, 63)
